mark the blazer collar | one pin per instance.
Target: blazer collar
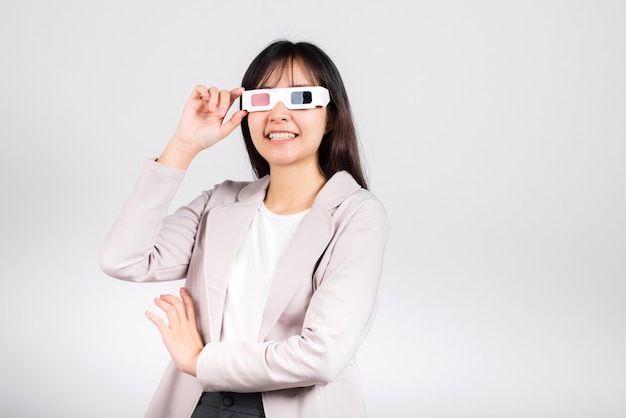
(336, 190)
(254, 190)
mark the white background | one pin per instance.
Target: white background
(494, 133)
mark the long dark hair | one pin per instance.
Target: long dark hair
(339, 149)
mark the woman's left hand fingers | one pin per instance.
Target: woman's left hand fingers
(190, 309)
(160, 324)
(181, 337)
(172, 308)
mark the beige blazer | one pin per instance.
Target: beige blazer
(320, 306)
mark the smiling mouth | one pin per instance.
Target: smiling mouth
(281, 136)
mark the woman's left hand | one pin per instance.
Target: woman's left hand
(181, 337)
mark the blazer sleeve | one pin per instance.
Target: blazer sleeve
(145, 244)
(337, 319)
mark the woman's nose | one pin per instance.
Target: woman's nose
(279, 112)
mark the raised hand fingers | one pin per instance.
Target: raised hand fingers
(203, 123)
(224, 102)
(235, 93)
(218, 101)
(208, 96)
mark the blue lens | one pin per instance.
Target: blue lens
(301, 97)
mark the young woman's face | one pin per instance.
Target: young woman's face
(288, 137)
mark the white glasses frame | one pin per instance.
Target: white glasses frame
(265, 99)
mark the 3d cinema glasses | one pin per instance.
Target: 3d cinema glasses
(293, 98)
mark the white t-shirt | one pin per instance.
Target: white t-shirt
(252, 272)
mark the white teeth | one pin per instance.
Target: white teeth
(279, 136)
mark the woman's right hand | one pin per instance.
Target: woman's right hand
(202, 124)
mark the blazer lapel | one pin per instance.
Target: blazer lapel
(306, 247)
(226, 226)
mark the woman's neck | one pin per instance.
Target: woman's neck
(292, 190)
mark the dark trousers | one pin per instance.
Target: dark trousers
(229, 405)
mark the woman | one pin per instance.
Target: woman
(281, 273)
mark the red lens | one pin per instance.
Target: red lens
(260, 99)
